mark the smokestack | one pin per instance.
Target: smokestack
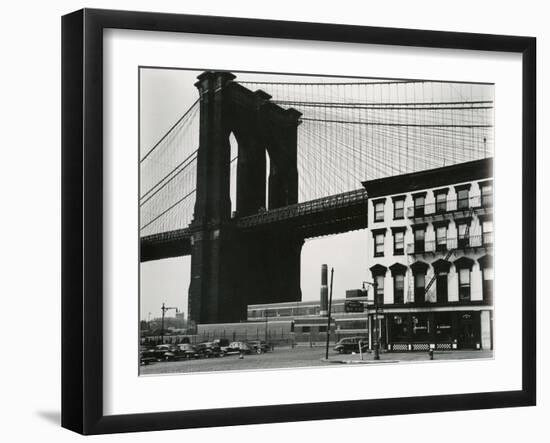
(324, 291)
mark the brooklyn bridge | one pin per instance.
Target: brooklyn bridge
(294, 155)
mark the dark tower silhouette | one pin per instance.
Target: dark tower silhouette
(230, 268)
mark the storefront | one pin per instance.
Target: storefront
(407, 330)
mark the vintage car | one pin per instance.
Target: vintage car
(209, 349)
(259, 346)
(237, 347)
(351, 344)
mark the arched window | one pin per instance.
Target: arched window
(486, 265)
(441, 271)
(419, 270)
(378, 275)
(464, 269)
(398, 272)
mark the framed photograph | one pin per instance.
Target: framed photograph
(270, 221)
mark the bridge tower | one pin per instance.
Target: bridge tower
(230, 269)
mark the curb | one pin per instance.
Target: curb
(359, 362)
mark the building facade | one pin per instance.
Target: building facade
(430, 248)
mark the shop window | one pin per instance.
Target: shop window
(420, 328)
(398, 243)
(398, 288)
(398, 208)
(464, 284)
(443, 327)
(399, 328)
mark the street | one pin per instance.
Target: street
(299, 357)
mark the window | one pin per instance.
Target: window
(462, 198)
(398, 243)
(419, 235)
(487, 232)
(419, 201)
(399, 208)
(463, 235)
(420, 327)
(419, 287)
(379, 211)
(464, 284)
(441, 288)
(488, 285)
(379, 289)
(306, 328)
(322, 329)
(443, 327)
(379, 245)
(441, 238)
(399, 288)
(399, 330)
(440, 202)
(486, 194)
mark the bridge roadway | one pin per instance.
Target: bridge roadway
(325, 216)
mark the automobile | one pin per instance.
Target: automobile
(236, 347)
(160, 352)
(146, 355)
(181, 351)
(187, 350)
(259, 346)
(223, 343)
(209, 349)
(351, 344)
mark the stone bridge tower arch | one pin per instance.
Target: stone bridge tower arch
(230, 269)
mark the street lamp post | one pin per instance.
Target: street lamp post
(164, 309)
(376, 329)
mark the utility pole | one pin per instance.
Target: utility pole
(265, 326)
(164, 309)
(329, 312)
(375, 329)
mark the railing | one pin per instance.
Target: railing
(452, 205)
(431, 246)
(305, 208)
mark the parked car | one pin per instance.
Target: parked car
(223, 343)
(259, 346)
(351, 344)
(161, 351)
(237, 347)
(181, 351)
(209, 349)
(146, 355)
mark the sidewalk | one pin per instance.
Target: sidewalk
(412, 356)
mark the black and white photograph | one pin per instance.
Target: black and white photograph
(296, 221)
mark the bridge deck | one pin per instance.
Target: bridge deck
(329, 215)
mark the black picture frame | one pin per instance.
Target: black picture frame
(82, 215)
